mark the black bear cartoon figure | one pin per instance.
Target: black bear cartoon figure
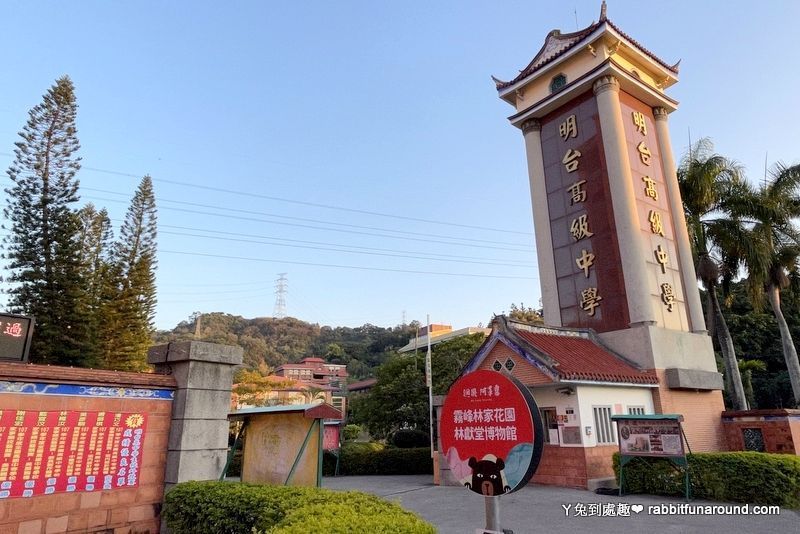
(487, 477)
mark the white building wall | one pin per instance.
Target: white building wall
(619, 398)
(580, 403)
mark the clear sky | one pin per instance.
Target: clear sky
(359, 146)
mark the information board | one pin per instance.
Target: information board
(650, 437)
(65, 451)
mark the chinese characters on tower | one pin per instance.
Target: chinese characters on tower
(579, 228)
(654, 216)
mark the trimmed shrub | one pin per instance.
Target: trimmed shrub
(351, 432)
(410, 438)
(751, 477)
(361, 461)
(236, 508)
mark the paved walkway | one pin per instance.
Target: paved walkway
(540, 509)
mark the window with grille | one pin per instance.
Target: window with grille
(635, 410)
(510, 364)
(753, 439)
(497, 365)
(557, 83)
(603, 424)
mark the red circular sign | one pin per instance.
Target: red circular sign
(491, 432)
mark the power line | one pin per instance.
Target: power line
(250, 194)
(354, 267)
(304, 219)
(239, 240)
(253, 219)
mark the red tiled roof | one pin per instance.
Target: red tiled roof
(362, 384)
(581, 358)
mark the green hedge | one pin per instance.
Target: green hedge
(374, 459)
(387, 462)
(751, 477)
(234, 508)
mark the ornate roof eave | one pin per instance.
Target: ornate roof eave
(667, 73)
(628, 82)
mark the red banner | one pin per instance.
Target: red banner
(49, 452)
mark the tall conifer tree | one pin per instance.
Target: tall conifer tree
(135, 263)
(42, 250)
(99, 277)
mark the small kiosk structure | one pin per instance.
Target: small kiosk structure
(283, 444)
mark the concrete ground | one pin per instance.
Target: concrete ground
(536, 509)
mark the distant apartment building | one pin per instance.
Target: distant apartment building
(316, 371)
(439, 333)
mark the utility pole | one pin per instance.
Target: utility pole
(281, 288)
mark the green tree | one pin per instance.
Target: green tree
(135, 262)
(526, 315)
(449, 358)
(399, 399)
(97, 271)
(708, 183)
(774, 256)
(400, 396)
(42, 249)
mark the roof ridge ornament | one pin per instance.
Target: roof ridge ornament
(603, 9)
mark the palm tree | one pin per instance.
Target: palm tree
(708, 182)
(746, 367)
(776, 250)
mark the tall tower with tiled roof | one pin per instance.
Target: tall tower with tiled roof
(613, 249)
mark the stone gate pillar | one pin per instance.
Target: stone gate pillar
(198, 437)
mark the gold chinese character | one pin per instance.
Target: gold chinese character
(638, 120)
(585, 261)
(662, 258)
(668, 295)
(590, 300)
(42, 418)
(62, 418)
(580, 228)
(570, 160)
(650, 187)
(568, 128)
(577, 192)
(644, 153)
(20, 419)
(656, 226)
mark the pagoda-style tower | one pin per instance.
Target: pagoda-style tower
(613, 249)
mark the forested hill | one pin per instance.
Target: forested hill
(269, 342)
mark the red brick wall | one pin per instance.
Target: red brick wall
(523, 370)
(780, 429)
(599, 461)
(130, 510)
(562, 466)
(701, 413)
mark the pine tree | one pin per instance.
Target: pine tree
(42, 250)
(135, 263)
(98, 274)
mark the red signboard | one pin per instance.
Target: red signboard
(491, 432)
(330, 438)
(49, 452)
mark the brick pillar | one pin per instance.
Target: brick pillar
(198, 435)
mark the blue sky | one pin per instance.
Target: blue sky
(297, 136)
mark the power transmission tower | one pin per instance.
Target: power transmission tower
(281, 288)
